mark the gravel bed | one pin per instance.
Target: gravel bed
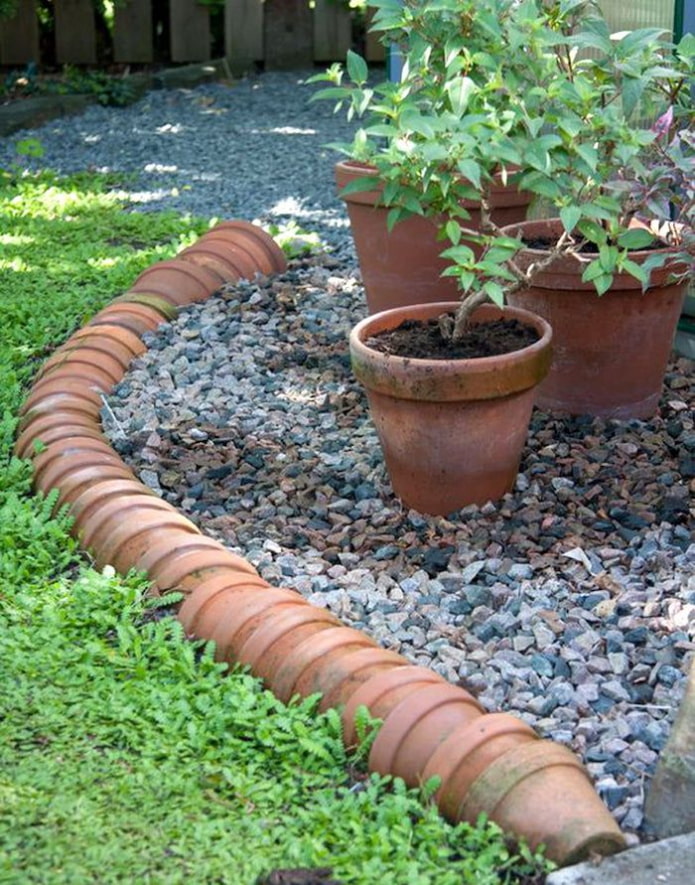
(570, 603)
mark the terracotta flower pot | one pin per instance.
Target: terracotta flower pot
(248, 235)
(297, 670)
(469, 750)
(107, 334)
(222, 261)
(200, 591)
(165, 305)
(348, 672)
(83, 506)
(53, 464)
(91, 358)
(49, 428)
(452, 431)
(610, 352)
(42, 403)
(383, 692)
(542, 791)
(404, 267)
(199, 558)
(242, 249)
(413, 729)
(136, 318)
(178, 281)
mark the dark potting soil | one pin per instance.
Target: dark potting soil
(418, 340)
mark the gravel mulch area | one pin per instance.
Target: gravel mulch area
(571, 602)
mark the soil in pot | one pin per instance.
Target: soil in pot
(418, 340)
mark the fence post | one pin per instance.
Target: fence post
(75, 31)
(288, 34)
(189, 29)
(332, 30)
(243, 34)
(132, 31)
(19, 36)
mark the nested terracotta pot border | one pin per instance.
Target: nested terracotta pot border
(490, 763)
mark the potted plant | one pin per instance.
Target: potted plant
(590, 124)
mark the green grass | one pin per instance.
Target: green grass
(124, 754)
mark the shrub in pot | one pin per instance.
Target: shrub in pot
(597, 127)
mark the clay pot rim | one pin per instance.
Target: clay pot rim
(441, 380)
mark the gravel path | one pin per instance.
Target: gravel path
(571, 602)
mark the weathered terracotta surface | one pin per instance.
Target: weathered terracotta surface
(178, 281)
(542, 791)
(220, 260)
(452, 431)
(430, 726)
(610, 352)
(403, 266)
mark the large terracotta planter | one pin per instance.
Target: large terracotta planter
(452, 431)
(609, 352)
(404, 266)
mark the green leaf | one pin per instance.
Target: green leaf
(635, 238)
(471, 170)
(570, 215)
(357, 68)
(459, 91)
(453, 232)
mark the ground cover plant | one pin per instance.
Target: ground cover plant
(124, 756)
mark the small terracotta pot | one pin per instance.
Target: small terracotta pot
(319, 651)
(452, 431)
(88, 349)
(229, 618)
(52, 465)
(404, 266)
(110, 333)
(247, 253)
(75, 483)
(383, 692)
(178, 281)
(199, 592)
(542, 792)
(206, 558)
(468, 750)
(119, 539)
(610, 352)
(245, 232)
(107, 506)
(223, 262)
(135, 318)
(283, 628)
(91, 358)
(167, 306)
(51, 433)
(84, 505)
(416, 726)
(90, 376)
(48, 404)
(161, 559)
(348, 672)
(48, 395)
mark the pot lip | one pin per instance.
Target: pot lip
(555, 223)
(396, 315)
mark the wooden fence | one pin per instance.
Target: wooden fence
(277, 33)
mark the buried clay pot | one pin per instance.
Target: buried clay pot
(199, 557)
(348, 672)
(230, 266)
(199, 591)
(404, 266)
(452, 431)
(130, 315)
(610, 352)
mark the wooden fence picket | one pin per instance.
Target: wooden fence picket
(243, 33)
(332, 31)
(133, 32)
(19, 36)
(75, 32)
(189, 30)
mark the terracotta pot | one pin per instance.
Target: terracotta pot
(107, 334)
(222, 261)
(283, 628)
(57, 391)
(201, 559)
(167, 306)
(247, 234)
(452, 431)
(413, 729)
(228, 619)
(89, 375)
(244, 250)
(296, 673)
(540, 790)
(199, 592)
(383, 692)
(467, 751)
(178, 281)
(136, 318)
(77, 481)
(404, 267)
(46, 429)
(85, 504)
(351, 670)
(83, 356)
(53, 464)
(91, 347)
(610, 352)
